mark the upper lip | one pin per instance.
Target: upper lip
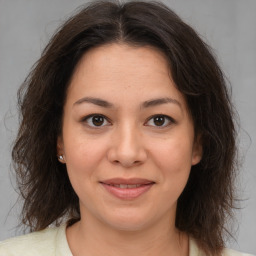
(131, 181)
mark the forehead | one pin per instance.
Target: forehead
(112, 59)
(121, 69)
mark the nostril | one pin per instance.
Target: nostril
(126, 163)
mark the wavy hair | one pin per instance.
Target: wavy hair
(208, 198)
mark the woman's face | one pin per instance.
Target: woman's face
(128, 139)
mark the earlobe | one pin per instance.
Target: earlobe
(197, 151)
(60, 150)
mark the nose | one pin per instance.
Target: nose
(127, 148)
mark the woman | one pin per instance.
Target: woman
(127, 139)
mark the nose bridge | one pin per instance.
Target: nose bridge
(128, 137)
(127, 147)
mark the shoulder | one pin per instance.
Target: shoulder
(35, 243)
(41, 243)
(229, 252)
(195, 251)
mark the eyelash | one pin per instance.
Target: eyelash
(169, 119)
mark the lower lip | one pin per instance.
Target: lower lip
(127, 193)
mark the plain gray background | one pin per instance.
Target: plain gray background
(229, 26)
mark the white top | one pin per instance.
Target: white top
(53, 242)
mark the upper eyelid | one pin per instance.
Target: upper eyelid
(84, 119)
(96, 114)
(168, 117)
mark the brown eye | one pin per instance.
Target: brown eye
(160, 121)
(96, 121)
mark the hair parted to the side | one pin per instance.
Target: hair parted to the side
(208, 198)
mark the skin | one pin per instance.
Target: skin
(129, 143)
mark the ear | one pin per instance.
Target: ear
(197, 150)
(60, 149)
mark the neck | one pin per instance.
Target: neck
(89, 238)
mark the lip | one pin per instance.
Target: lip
(131, 181)
(127, 193)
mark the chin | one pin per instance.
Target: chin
(128, 222)
(129, 226)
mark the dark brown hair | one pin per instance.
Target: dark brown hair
(208, 198)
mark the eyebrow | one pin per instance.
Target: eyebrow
(145, 104)
(160, 101)
(95, 101)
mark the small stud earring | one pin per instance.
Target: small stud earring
(61, 158)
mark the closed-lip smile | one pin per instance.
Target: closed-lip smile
(127, 189)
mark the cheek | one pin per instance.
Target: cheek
(174, 154)
(83, 158)
(174, 159)
(83, 154)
